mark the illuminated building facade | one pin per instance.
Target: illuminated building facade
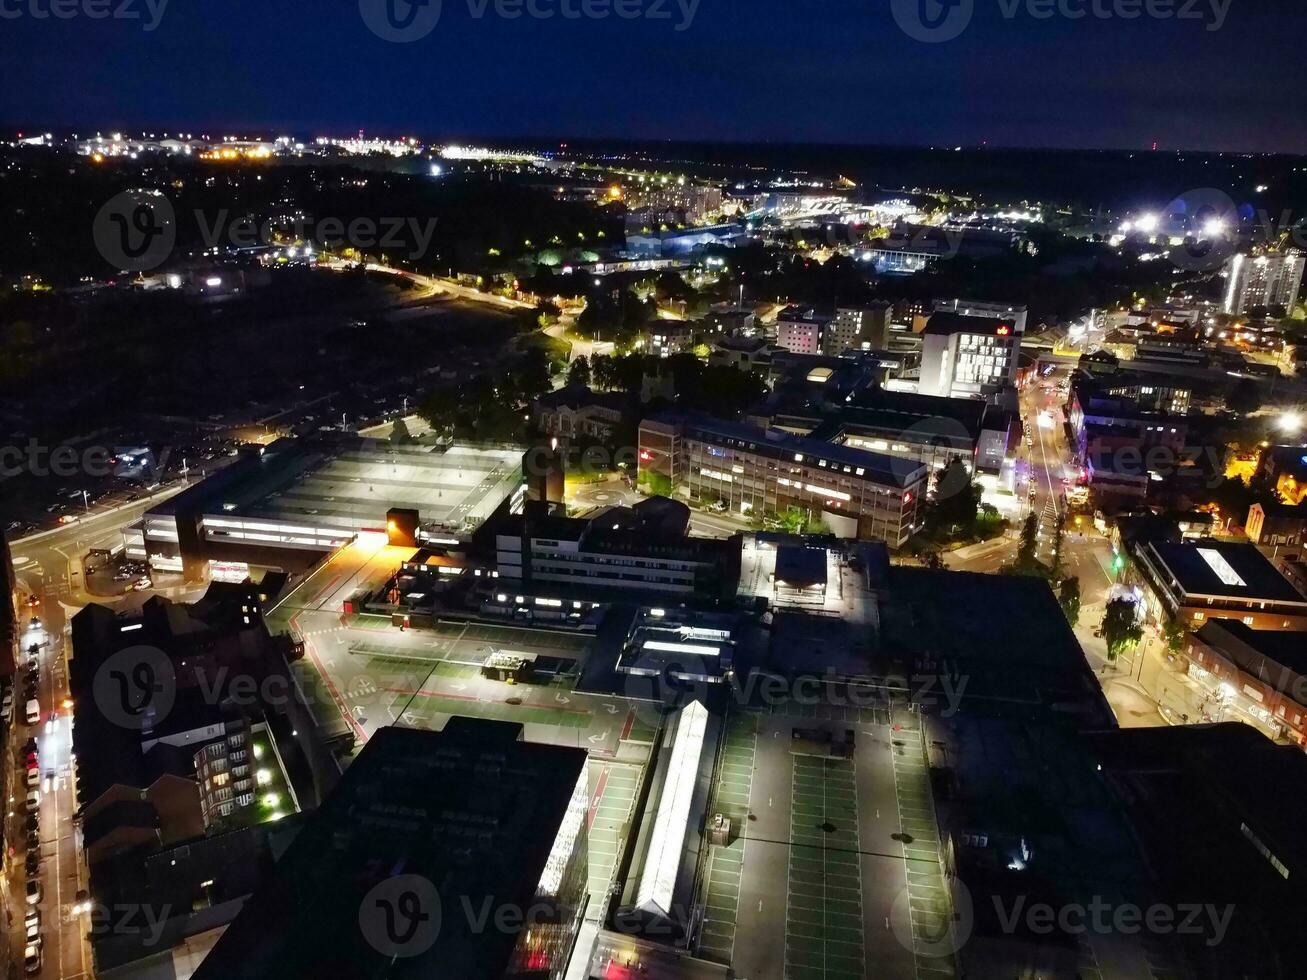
(858, 494)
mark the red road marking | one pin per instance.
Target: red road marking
(630, 722)
(599, 795)
(326, 679)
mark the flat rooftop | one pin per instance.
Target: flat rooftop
(1233, 571)
(884, 468)
(350, 483)
(472, 810)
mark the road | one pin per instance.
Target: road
(48, 565)
(581, 346)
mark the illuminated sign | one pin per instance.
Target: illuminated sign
(1004, 330)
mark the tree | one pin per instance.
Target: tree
(1059, 532)
(1029, 540)
(578, 374)
(1245, 397)
(1068, 596)
(1175, 635)
(603, 372)
(547, 314)
(957, 498)
(399, 432)
(1121, 627)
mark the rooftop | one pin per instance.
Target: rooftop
(886, 469)
(350, 483)
(1234, 571)
(946, 323)
(1281, 647)
(472, 810)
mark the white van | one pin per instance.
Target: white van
(33, 714)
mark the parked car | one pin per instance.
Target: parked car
(32, 713)
(32, 918)
(33, 862)
(34, 892)
(33, 778)
(33, 801)
(32, 960)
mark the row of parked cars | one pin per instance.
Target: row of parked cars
(33, 952)
(25, 690)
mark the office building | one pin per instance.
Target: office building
(1268, 279)
(1195, 583)
(968, 355)
(994, 311)
(642, 551)
(747, 469)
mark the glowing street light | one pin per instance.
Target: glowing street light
(1290, 423)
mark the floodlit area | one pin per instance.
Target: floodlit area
(355, 487)
(822, 850)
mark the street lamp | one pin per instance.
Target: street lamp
(1290, 423)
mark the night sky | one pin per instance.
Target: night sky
(780, 70)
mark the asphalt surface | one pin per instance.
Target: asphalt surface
(48, 565)
(833, 832)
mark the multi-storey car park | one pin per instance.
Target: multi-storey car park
(301, 498)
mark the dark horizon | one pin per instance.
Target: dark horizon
(546, 141)
(826, 74)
